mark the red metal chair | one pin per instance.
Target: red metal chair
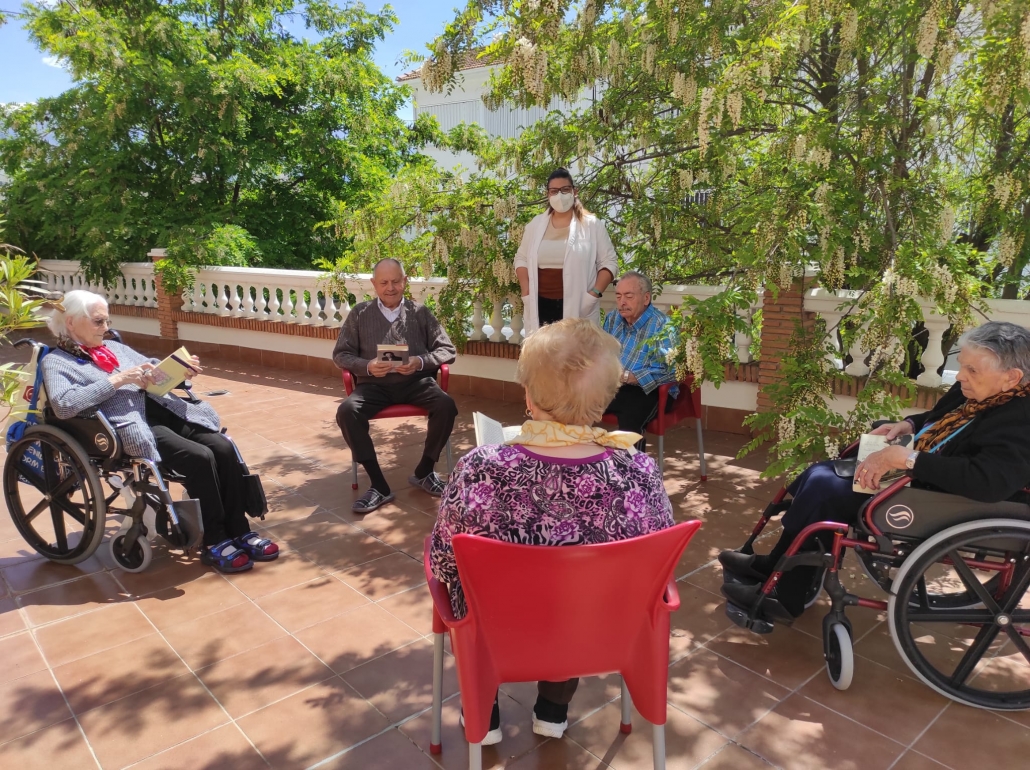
(687, 404)
(553, 613)
(399, 410)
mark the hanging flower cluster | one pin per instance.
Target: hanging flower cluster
(530, 61)
(926, 35)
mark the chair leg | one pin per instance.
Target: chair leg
(659, 747)
(475, 756)
(701, 450)
(354, 472)
(626, 726)
(661, 454)
(434, 742)
(450, 463)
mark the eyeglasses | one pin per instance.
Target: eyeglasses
(563, 190)
(101, 322)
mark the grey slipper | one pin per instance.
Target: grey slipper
(432, 484)
(371, 500)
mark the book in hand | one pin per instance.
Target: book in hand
(489, 431)
(868, 444)
(170, 372)
(395, 355)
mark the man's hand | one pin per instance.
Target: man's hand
(890, 458)
(195, 365)
(628, 378)
(893, 429)
(380, 368)
(409, 368)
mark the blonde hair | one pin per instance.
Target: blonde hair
(74, 304)
(571, 370)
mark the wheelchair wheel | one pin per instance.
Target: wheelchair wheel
(54, 496)
(840, 656)
(974, 652)
(138, 558)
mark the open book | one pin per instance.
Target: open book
(868, 444)
(489, 431)
(170, 372)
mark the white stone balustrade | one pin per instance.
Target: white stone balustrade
(134, 287)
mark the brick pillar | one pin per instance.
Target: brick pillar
(167, 303)
(779, 317)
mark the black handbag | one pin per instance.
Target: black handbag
(254, 502)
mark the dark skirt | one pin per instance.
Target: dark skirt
(819, 494)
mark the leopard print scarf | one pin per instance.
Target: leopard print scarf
(964, 414)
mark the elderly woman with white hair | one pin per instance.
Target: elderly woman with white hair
(975, 443)
(86, 373)
(559, 482)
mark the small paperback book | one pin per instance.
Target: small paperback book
(489, 431)
(395, 355)
(868, 444)
(170, 372)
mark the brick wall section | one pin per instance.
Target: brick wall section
(779, 317)
(167, 305)
(133, 311)
(491, 349)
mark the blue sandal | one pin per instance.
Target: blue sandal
(226, 557)
(257, 548)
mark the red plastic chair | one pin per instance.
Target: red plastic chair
(610, 614)
(687, 404)
(399, 410)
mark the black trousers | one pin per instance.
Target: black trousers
(550, 310)
(213, 474)
(635, 409)
(370, 398)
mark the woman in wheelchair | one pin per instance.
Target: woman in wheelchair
(86, 373)
(975, 443)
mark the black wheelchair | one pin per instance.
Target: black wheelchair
(52, 485)
(957, 574)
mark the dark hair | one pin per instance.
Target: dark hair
(577, 208)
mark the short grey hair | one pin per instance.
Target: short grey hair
(1009, 343)
(74, 304)
(644, 280)
(390, 260)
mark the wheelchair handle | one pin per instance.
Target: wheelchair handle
(24, 341)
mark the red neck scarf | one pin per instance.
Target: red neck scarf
(102, 357)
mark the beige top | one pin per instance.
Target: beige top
(551, 254)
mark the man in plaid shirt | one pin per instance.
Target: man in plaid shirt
(643, 361)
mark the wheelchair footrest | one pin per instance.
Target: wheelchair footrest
(742, 618)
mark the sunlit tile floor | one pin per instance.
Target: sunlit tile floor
(323, 658)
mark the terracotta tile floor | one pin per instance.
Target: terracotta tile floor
(323, 658)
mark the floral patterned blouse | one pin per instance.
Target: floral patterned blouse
(510, 493)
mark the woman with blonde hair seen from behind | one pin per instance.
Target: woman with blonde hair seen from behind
(565, 261)
(559, 482)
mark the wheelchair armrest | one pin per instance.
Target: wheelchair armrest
(918, 513)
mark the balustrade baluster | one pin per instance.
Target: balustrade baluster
(273, 304)
(857, 367)
(198, 298)
(497, 322)
(933, 356)
(300, 307)
(223, 299)
(832, 320)
(287, 305)
(477, 320)
(516, 321)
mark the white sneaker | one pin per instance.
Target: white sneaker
(549, 729)
(492, 737)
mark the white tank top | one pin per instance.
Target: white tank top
(551, 254)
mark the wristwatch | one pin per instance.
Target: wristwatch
(596, 292)
(625, 375)
(910, 461)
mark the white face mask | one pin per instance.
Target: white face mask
(562, 202)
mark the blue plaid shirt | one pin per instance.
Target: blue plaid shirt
(644, 359)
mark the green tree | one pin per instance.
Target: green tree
(190, 117)
(880, 145)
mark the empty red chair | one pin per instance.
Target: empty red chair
(687, 404)
(398, 410)
(553, 613)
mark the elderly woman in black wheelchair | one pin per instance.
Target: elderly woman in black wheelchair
(89, 417)
(949, 541)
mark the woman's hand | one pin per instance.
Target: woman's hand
(137, 375)
(870, 470)
(893, 429)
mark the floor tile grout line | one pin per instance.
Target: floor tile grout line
(923, 732)
(200, 681)
(67, 703)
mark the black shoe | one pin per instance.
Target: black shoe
(746, 597)
(742, 565)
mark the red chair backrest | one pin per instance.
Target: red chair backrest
(553, 613)
(688, 402)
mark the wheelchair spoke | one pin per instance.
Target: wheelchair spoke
(972, 583)
(56, 517)
(72, 509)
(950, 616)
(33, 479)
(41, 506)
(984, 638)
(1018, 641)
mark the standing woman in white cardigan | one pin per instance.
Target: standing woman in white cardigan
(565, 261)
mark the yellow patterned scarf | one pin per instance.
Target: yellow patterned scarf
(956, 418)
(548, 433)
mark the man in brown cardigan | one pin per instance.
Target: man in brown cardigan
(393, 320)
